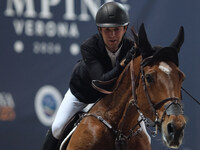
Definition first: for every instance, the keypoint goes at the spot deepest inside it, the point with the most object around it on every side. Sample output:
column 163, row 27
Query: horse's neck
column 129, row 119
column 115, row 103
column 118, row 100
column 112, row 107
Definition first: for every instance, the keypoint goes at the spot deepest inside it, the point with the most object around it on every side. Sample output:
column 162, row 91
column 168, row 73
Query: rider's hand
column 128, row 57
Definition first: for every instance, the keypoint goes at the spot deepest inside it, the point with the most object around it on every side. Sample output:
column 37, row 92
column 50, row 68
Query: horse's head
column 159, row 87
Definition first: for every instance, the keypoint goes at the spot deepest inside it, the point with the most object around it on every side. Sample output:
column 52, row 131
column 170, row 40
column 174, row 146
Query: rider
column 102, row 56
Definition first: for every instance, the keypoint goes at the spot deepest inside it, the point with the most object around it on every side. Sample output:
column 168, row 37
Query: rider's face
column 112, row 36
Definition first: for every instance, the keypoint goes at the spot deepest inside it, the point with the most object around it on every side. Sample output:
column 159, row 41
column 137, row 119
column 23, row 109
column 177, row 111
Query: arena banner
column 40, row 43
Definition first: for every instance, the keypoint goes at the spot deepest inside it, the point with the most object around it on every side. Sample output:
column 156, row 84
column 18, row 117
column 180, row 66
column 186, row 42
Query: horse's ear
column 144, row 45
column 177, row 43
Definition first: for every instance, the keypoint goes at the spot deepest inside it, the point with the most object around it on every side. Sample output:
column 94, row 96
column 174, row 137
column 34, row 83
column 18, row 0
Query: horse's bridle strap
column 169, row 108
column 174, row 108
column 159, row 104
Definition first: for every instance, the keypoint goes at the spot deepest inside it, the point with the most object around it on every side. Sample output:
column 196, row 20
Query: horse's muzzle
column 173, row 132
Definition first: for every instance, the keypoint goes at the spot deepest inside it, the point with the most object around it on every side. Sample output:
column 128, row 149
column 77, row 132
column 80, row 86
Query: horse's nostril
column 170, row 128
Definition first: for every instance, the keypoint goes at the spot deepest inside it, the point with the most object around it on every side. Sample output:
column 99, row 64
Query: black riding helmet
column 112, row 14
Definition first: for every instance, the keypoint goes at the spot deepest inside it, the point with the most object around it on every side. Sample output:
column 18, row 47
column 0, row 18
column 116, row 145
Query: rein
column 190, row 95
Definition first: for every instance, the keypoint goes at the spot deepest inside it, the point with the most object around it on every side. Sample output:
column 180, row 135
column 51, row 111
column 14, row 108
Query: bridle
column 172, row 108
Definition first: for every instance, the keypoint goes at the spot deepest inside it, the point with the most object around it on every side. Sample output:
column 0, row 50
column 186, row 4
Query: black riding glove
column 129, row 56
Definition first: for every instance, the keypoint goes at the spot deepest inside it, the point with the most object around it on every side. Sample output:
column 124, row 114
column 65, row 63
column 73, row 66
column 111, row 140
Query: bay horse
column 149, row 87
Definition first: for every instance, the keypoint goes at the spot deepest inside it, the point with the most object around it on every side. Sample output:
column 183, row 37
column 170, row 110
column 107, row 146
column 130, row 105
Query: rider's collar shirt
column 113, row 56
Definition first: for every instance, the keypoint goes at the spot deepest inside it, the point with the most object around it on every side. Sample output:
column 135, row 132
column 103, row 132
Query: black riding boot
column 50, row 142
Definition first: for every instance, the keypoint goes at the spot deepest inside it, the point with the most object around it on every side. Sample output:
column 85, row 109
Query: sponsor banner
column 47, row 101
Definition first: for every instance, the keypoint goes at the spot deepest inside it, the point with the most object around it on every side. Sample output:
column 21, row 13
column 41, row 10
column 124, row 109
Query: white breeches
column 68, row 108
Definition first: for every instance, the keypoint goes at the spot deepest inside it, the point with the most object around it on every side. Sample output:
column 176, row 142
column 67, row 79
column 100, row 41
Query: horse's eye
column 149, row 78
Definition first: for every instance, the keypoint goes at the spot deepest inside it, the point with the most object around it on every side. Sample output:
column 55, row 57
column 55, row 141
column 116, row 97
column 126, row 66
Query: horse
column 149, row 88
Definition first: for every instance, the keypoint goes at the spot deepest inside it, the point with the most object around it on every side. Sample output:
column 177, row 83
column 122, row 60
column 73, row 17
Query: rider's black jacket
column 95, row 65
